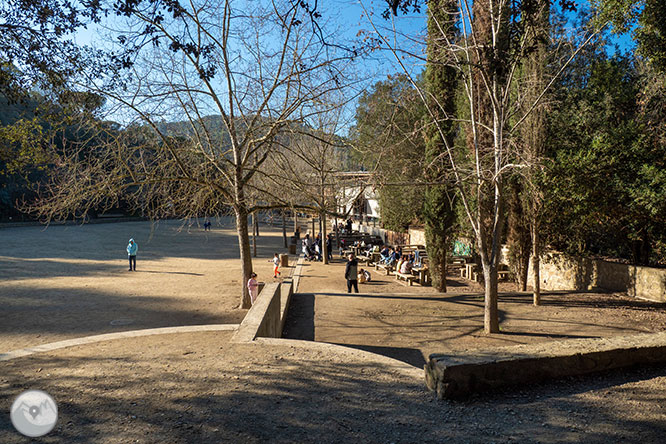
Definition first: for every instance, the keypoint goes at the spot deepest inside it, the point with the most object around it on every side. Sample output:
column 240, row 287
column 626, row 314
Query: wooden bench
column 387, row 268
column 366, row 259
column 408, row 278
column 501, row 275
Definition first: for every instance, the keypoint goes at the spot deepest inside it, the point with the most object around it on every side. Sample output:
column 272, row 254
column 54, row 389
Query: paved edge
column 298, row 272
column 111, row 336
column 455, row 376
column 389, row 363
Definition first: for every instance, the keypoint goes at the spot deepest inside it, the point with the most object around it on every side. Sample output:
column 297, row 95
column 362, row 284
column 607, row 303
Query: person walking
column 329, row 245
column 253, row 287
column 276, row 263
column 132, row 249
column 351, row 273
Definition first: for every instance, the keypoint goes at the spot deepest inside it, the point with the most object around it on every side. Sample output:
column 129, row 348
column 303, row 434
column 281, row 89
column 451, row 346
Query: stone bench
column 408, row 278
column 458, row 375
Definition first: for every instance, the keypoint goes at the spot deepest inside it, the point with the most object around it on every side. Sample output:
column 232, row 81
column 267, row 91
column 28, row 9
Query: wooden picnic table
column 468, row 271
column 423, row 274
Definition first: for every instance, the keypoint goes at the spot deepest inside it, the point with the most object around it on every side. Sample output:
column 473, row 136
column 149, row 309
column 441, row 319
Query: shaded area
column 410, row 356
column 42, row 317
column 198, row 388
column 69, row 281
column 300, row 318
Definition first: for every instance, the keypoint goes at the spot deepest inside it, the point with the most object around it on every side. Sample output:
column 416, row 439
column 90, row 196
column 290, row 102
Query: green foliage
column 441, row 83
column 389, row 142
column 606, row 184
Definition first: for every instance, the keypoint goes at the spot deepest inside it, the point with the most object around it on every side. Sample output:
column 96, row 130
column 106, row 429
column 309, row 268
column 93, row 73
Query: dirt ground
column 199, row 388
column 410, row 323
column 69, row 281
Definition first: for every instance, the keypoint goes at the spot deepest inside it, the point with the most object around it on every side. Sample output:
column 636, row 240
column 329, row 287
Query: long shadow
column 570, row 299
column 300, row 323
column 315, row 400
column 169, row 272
column 38, row 313
column 463, row 298
column 411, row 356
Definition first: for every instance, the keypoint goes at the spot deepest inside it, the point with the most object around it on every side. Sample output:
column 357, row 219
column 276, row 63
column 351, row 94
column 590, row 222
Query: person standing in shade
column 351, row 273
column 132, row 249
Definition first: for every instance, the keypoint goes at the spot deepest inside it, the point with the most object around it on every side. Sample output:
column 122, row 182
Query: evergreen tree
column 441, row 83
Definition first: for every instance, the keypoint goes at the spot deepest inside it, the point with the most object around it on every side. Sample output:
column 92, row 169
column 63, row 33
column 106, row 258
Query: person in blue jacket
column 132, row 249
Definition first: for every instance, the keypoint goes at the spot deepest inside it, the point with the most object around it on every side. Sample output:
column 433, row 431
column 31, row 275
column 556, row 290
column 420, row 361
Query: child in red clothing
column 276, row 263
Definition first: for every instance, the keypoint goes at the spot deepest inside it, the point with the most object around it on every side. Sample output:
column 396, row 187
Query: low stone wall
column 563, row 272
column 459, row 375
column 263, row 318
column 417, row 236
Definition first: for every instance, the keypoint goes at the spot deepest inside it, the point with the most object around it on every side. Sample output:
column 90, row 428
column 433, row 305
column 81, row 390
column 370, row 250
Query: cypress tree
column 441, row 82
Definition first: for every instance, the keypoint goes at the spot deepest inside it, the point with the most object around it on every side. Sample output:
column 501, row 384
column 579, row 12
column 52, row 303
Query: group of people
column 312, row 248
column 345, row 227
column 403, row 262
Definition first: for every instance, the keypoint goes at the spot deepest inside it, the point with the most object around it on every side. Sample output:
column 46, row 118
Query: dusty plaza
column 196, row 386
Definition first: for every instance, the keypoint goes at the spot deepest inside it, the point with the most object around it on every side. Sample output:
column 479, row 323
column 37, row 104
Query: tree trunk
column 324, row 248
column 284, row 229
column 491, row 312
column 254, row 236
column 295, row 220
column 255, row 222
column 436, row 248
column 246, row 259
column 313, row 228
column 536, row 265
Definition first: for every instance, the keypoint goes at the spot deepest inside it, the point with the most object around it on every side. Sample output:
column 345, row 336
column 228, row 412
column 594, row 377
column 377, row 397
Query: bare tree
column 207, row 91
column 485, row 41
column 304, row 174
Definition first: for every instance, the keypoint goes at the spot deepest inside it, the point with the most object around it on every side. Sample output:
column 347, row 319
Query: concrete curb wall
column 267, row 316
column 111, row 336
column 263, row 318
column 459, row 375
column 289, row 287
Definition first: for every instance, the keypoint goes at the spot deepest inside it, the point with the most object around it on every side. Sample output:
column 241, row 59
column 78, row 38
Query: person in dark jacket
column 351, row 273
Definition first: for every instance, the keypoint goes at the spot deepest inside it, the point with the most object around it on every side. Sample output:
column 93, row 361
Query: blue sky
column 351, row 22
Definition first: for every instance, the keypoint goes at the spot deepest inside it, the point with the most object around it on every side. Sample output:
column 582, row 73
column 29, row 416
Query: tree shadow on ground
column 311, row 400
column 39, row 314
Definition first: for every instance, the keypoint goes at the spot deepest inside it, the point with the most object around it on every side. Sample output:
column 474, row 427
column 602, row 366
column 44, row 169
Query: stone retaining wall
column 461, row 374
column 263, row 318
column 563, row 272
column 417, row 236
